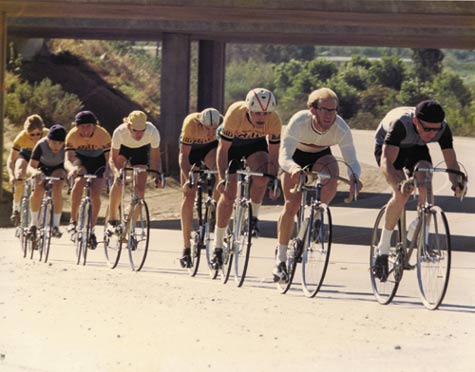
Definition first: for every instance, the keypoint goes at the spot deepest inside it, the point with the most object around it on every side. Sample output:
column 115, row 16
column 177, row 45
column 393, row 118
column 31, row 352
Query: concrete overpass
column 389, row 23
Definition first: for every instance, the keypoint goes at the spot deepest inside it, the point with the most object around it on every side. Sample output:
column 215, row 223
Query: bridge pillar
column 174, row 97
column 211, row 70
column 3, row 65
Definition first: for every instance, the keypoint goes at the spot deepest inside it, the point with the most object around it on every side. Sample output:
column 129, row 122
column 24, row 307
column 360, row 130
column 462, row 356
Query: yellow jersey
column 195, row 133
column 23, row 141
column 91, row 147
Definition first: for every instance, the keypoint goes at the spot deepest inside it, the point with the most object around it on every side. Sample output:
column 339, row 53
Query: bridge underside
column 388, row 23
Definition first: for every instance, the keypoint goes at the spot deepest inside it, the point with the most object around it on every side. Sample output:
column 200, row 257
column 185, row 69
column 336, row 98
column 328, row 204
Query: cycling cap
column 57, row 133
column 85, row 117
column 137, row 120
column 210, row 117
column 260, row 100
column 430, row 111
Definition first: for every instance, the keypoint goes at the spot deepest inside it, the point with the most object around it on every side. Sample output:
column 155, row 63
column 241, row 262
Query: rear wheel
column 433, row 258
column 112, row 244
column 316, row 253
column 385, row 289
column 46, row 228
column 242, row 248
column 139, row 235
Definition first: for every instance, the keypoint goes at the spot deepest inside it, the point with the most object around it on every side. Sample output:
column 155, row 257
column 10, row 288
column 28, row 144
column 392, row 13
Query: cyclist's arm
column 115, row 163
column 69, row 162
column 388, row 157
column 287, row 150
column 12, row 157
column 222, row 157
column 155, row 159
column 348, row 152
column 183, row 159
column 274, row 158
column 33, row 167
column 450, row 158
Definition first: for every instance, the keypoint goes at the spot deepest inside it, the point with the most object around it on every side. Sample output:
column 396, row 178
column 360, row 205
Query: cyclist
column 33, row 130
column 251, row 129
column 48, row 158
column 136, row 141
column 198, row 144
column 401, row 142
column 87, row 152
column 306, row 143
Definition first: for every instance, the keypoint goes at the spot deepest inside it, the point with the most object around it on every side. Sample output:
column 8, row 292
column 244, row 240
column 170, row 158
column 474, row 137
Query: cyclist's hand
column 355, row 181
column 295, row 174
column 73, row 173
column 406, row 187
column 459, row 190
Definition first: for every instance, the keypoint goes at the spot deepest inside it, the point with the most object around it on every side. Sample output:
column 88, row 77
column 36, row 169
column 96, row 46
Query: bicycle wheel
column 433, row 258
column 139, row 235
column 228, row 255
column 385, row 290
column 84, row 229
column 112, row 244
column 208, row 239
column 242, row 246
column 317, row 248
column 24, row 223
column 294, row 253
column 46, row 227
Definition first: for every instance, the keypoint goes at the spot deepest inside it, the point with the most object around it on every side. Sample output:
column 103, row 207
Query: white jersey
column 301, row 134
column 122, row 136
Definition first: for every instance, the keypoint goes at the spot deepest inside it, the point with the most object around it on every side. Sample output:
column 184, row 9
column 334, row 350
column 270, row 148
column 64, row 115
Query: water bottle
column 412, row 228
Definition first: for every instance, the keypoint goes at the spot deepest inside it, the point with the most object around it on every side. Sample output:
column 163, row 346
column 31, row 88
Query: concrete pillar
column 3, row 65
column 211, row 70
column 174, row 97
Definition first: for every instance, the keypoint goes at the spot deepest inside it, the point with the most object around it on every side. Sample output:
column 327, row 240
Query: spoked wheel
column 139, row 235
column 433, row 258
column 84, row 229
column 316, row 253
column 242, row 247
column 46, row 229
column 24, row 223
column 385, row 289
column 228, row 255
column 112, row 244
column 293, row 256
column 195, row 252
column 208, row 239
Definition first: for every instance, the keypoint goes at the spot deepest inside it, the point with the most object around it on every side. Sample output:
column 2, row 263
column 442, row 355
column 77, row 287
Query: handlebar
column 202, row 169
column 462, row 184
column 141, row 170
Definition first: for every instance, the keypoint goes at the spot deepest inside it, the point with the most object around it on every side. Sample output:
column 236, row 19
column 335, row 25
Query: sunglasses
column 35, row 134
column 330, row 111
column 137, row 130
column 427, row 129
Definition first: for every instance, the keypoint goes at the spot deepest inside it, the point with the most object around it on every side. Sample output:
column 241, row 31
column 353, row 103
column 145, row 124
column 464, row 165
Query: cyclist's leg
column 327, row 164
column 210, row 162
column 19, row 173
column 187, row 213
column 35, row 202
column 58, row 197
column 258, row 162
column 76, row 195
column 96, row 188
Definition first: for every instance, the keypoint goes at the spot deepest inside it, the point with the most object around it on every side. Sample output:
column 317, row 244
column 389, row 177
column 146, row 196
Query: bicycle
column 237, row 244
column 431, row 240
column 22, row 230
column 202, row 237
column 312, row 245
column 45, row 217
column 82, row 234
column 134, row 227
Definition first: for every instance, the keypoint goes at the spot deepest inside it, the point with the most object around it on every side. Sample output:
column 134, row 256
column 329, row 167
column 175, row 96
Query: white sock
column 255, row 209
column 385, row 241
column 219, row 237
column 281, row 253
column 33, row 218
column 16, row 206
column 57, row 219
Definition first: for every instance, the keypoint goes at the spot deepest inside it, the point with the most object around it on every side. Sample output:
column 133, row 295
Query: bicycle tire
column 208, row 239
column 433, row 258
column 84, row 228
column 228, row 253
column 317, row 249
column 24, row 223
column 242, row 247
column 294, row 251
column 197, row 236
column 139, row 235
column 384, row 291
column 46, row 229
column 112, row 244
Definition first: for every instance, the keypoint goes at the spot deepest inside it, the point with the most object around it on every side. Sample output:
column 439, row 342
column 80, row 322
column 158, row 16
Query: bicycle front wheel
column 84, row 229
column 228, row 256
column 385, row 289
column 317, row 247
column 433, row 258
column 294, row 254
column 46, row 227
column 112, row 244
column 24, row 223
column 242, row 246
column 208, row 239
column 139, row 235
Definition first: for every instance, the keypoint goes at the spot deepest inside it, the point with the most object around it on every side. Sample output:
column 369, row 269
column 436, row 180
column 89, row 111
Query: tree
column 427, row 63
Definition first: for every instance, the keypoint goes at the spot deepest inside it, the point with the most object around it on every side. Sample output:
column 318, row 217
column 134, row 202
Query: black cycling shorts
column 198, row 153
column 137, row 155
column 48, row 170
column 407, row 158
column 95, row 166
column 245, row 149
column 304, row 159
